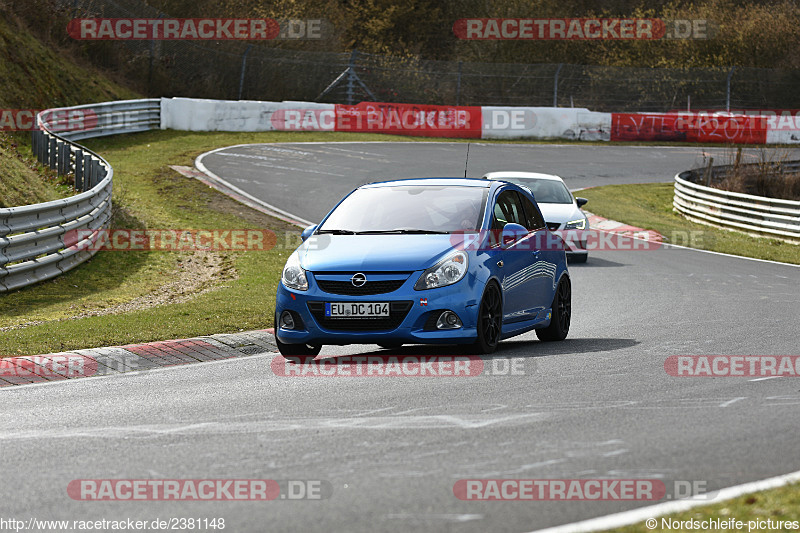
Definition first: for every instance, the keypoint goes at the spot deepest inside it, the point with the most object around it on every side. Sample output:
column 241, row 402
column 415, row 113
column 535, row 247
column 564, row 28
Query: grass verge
column 781, row 504
column 649, row 206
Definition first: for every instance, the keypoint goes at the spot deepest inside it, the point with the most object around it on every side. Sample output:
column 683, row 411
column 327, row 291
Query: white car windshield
column 545, row 191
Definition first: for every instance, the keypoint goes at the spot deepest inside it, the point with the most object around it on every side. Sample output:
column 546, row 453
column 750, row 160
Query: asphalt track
column 306, row 178
column 598, row 405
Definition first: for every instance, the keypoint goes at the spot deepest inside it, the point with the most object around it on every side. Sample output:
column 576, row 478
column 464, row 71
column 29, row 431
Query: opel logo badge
column 358, row 280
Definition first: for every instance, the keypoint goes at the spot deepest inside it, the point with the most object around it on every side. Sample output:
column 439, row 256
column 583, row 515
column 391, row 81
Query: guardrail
column 36, row 241
column 758, row 215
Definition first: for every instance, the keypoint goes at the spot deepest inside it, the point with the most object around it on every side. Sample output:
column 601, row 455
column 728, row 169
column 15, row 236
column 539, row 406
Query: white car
column 560, row 209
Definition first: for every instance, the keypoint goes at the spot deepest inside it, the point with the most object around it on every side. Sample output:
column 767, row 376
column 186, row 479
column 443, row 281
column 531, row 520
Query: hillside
column 21, row 183
column 34, row 76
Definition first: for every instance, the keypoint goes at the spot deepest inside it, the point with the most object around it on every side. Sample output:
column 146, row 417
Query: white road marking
column 615, row 452
column 202, row 168
column 365, row 413
column 447, row 517
column 634, row 516
column 466, row 421
column 731, row 402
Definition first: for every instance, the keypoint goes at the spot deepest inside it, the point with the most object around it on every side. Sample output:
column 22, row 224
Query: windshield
column 409, row 209
column 545, row 191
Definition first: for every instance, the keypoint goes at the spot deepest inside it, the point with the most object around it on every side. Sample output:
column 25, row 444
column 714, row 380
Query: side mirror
column 581, row 201
column 512, row 233
column 308, row 231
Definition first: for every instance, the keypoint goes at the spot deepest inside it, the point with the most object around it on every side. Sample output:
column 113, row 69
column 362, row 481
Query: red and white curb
column 612, row 226
column 132, row 357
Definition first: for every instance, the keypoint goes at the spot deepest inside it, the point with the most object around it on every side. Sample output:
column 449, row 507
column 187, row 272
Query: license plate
column 356, row 310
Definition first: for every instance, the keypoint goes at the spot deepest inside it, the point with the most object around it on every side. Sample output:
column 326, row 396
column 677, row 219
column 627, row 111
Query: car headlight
column 294, row 276
column 445, row 272
column 576, row 224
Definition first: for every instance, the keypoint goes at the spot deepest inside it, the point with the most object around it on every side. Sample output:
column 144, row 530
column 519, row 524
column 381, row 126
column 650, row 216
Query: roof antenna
column 467, row 161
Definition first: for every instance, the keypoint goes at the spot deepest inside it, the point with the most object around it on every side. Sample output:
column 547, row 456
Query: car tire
column 490, row 320
column 306, row 350
column 562, row 313
column 578, row 258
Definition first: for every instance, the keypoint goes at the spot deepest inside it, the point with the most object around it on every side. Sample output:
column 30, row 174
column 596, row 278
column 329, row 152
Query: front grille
column 553, row 225
column 397, row 313
column 370, row 287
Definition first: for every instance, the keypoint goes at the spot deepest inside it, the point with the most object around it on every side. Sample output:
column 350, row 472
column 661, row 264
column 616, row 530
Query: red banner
column 688, row 127
column 408, row 119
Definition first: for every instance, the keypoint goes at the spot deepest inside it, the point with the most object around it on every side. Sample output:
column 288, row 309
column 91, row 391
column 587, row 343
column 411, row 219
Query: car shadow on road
column 567, row 346
column 514, row 348
column 511, row 358
column 595, row 262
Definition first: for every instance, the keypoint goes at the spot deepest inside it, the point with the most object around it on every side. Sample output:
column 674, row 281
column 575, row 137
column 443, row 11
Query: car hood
column 560, row 212
column 353, row 253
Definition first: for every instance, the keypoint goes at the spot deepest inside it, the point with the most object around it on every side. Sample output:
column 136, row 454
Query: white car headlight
column 294, row 276
column 444, row 273
column 576, row 224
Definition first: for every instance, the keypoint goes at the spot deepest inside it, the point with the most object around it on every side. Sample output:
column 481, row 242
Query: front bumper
column 575, row 240
column 410, row 321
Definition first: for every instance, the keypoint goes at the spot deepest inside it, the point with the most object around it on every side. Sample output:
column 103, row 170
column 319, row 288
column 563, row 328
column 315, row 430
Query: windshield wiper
column 337, row 231
column 404, row 231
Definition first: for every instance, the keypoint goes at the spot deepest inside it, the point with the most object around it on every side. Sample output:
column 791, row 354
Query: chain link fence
column 270, row 71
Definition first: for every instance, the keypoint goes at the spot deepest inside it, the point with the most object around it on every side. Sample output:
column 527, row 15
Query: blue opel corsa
column 425, row 261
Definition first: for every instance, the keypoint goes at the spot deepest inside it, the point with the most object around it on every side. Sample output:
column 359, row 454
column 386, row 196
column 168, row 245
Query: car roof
column 529, row 175
column 460, row 182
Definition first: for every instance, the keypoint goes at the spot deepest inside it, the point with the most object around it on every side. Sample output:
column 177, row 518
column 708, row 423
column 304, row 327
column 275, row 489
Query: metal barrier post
column 87, row 172
column 79, row 170
column 42, row 152
column 61, row 159
column 52, row 153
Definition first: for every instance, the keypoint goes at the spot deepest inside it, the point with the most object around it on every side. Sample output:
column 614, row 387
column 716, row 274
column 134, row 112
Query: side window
column 534, row 217
column 508, row 208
